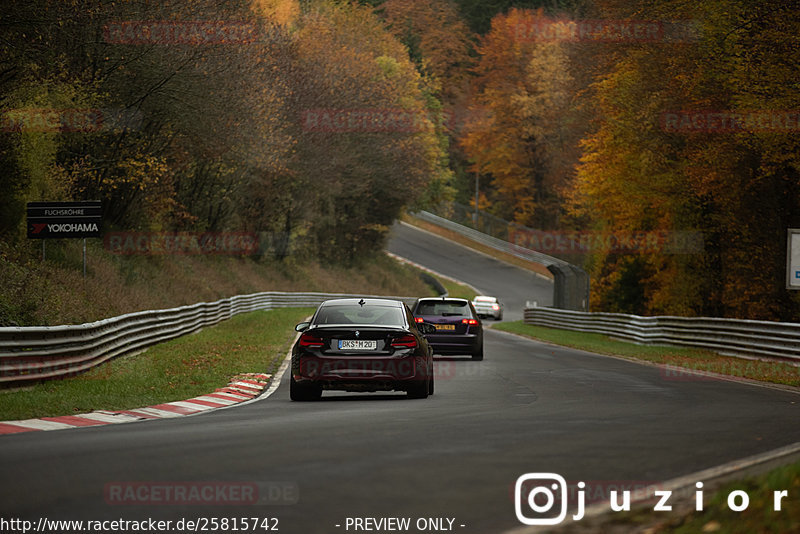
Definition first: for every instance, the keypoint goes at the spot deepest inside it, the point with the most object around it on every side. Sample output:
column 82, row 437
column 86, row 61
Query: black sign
column 57, row 220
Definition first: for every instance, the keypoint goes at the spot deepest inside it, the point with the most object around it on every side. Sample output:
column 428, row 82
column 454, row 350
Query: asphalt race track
column 528, row 407
column 514, row 286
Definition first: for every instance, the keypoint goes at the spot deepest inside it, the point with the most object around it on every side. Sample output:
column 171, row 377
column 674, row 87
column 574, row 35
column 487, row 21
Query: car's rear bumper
column 359, row 373
column 455, row 344
column 487, row 311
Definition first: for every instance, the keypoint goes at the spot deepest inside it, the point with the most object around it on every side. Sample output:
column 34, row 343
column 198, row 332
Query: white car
column 488, row 307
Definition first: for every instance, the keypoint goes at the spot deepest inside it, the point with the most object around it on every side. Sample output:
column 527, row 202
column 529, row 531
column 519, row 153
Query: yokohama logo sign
column 68, row 227
column 58, row 220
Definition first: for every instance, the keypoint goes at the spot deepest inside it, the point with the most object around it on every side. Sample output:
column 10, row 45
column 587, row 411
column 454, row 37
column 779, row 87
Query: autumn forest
column 319, row 122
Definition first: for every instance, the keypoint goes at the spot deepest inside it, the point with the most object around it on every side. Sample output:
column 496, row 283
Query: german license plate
column 358, row 344
column 445, row 327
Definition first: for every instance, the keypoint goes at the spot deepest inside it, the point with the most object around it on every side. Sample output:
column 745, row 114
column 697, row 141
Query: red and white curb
column 241, row 388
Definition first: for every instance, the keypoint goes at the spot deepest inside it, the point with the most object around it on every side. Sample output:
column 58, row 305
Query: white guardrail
column 571, row 283
column 734, row 337
column 44, row 352
column 491, row 241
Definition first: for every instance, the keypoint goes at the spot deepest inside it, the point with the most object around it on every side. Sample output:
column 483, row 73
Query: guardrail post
column 580, row 289
column 559, row 285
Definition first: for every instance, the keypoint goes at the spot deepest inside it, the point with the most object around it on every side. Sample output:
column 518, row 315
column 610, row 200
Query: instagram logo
column 542, row 499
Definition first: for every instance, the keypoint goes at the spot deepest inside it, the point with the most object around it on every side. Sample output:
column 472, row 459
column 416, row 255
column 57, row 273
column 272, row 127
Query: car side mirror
column 302, row 327
column 426, row 329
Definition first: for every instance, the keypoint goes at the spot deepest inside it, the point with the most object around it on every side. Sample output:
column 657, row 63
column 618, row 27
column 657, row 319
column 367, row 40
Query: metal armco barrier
column 570, row 282
column 45, row 352
column 734, row 337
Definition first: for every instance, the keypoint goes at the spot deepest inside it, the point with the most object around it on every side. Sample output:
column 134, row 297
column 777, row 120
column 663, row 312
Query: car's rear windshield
column 362, row 315
column 443, row 307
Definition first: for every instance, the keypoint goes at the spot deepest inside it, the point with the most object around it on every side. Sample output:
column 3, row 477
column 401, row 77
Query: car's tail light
column 311, row 342
column 404, row 342
column 419, row 319
column 495, row 307
column 469, row 321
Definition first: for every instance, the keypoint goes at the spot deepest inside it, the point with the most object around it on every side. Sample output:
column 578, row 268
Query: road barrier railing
column 570, row 282
column 47, row 352
column 734, row 337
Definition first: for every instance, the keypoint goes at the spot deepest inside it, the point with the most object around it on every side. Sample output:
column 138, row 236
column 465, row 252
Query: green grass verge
column 456, row 290
column 716, row 516
column 54, row 292
column 179, row 369
column 695, row 359
column 759, row 515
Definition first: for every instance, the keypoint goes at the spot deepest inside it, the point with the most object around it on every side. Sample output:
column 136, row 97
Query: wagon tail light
column 419, row 319
column 311, row 342
column 495, row 307
column 469, row 321
column 404, row 342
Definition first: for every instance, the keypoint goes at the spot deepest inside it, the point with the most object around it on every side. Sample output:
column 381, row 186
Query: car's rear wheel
column 304, row 392
column 430, row 386
column 478, row 355
column 419, row 389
